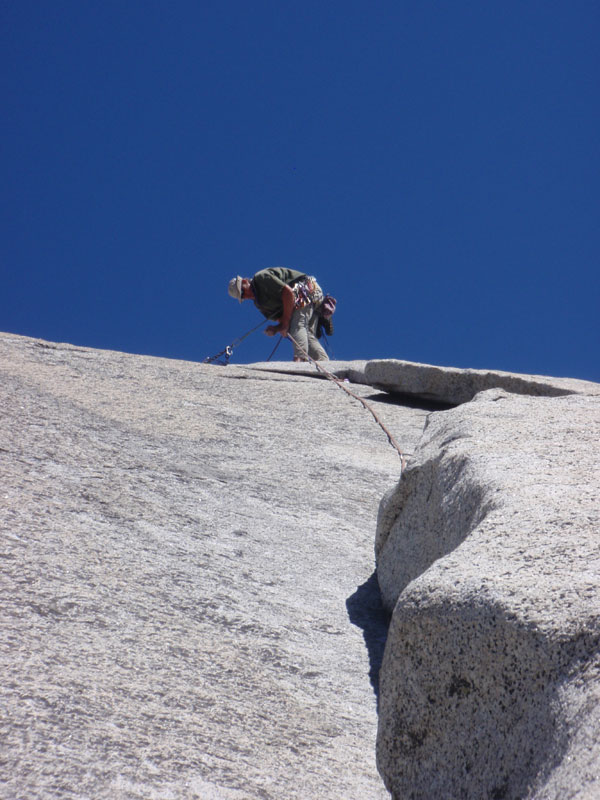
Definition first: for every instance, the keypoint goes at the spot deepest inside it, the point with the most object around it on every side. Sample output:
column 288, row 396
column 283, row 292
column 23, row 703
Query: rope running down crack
column 361, row 400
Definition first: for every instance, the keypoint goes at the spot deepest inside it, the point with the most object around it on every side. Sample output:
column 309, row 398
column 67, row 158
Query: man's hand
column 287, row 300
column 273, row 329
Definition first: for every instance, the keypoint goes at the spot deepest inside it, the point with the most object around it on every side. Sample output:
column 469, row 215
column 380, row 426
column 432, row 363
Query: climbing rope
column 361, row 400
column 275, row 348
column 223, row 357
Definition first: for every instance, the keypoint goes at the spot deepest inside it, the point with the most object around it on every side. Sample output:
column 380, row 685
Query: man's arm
column 287, row 300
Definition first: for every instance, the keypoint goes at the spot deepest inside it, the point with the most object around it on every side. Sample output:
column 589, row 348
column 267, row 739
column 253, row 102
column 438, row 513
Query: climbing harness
column 361, row 400
column 222, row 358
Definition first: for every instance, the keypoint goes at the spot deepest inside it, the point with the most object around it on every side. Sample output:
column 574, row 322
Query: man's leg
column 315, row 349
column 299, row 332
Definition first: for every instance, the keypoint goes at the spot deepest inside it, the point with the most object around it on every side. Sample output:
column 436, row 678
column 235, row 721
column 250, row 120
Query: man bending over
column 291, row 298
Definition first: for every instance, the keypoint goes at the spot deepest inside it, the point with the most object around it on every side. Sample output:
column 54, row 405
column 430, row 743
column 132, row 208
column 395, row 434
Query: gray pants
column 303, row 327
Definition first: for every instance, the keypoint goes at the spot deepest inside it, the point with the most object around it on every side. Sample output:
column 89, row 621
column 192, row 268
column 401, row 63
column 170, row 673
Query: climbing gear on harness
column 222, row 358
column 307, row 291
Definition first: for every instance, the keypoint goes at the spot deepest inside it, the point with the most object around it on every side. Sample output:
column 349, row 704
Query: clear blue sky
column 434, row 164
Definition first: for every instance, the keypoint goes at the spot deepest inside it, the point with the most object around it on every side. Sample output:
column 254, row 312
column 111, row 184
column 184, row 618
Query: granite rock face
column 189, row 608
column 189, row 603
column 488, row 552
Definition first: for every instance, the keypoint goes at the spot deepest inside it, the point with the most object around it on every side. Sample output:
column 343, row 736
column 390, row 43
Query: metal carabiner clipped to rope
column 222, row 358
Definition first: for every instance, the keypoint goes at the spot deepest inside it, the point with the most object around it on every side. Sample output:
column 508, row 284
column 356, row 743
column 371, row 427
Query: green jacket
column 268, row 285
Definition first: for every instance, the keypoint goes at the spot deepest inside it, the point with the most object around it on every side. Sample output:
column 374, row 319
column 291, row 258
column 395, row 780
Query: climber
column 290, row 297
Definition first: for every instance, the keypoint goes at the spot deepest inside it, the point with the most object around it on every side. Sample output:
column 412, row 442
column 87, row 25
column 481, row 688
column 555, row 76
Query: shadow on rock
column 366, row 611
column 410, row 401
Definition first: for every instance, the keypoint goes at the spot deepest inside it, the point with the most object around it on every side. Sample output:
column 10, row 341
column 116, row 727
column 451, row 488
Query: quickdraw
column 222, row 358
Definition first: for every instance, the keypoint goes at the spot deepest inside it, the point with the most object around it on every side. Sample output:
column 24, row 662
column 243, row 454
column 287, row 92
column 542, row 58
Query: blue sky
column 434, row 164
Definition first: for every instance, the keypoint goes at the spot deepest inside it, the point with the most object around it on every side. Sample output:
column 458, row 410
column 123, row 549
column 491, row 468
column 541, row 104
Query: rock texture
column 189, row 603
column 488, row 550
column 449, row 386
column 189, row 607
column 454, row 386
